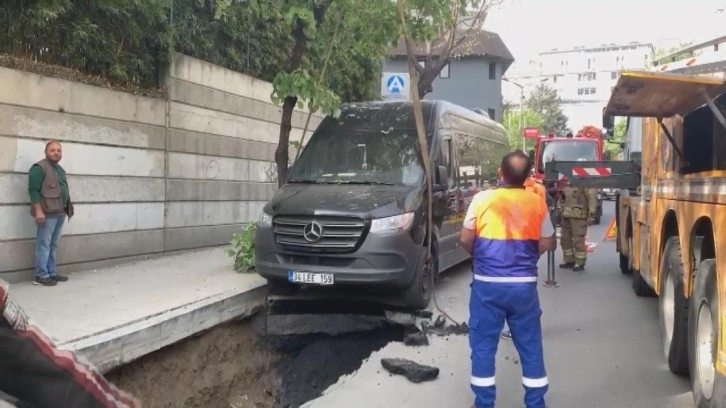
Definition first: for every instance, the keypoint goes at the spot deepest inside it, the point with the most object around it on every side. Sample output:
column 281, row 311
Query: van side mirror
column 441, row 179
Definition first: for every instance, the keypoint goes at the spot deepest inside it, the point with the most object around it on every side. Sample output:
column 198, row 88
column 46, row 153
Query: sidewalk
column 115, row 315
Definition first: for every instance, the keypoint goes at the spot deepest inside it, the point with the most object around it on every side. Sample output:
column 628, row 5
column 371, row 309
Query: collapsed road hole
column 239, row 365
column 305, row 372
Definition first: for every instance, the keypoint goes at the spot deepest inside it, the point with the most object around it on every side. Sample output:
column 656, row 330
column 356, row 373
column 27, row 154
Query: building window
column 589, row 63
column 445, row 71
column 492, row 70
column 592, row 91
column 715, row 47
column 554, row 79
column 614, row 75
column 491, row 113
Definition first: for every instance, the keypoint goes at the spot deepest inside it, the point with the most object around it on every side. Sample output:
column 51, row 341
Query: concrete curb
column 123, row 344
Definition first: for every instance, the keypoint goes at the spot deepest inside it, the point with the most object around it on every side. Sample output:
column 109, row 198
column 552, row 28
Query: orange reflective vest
column 507, row 225
column 536, row 187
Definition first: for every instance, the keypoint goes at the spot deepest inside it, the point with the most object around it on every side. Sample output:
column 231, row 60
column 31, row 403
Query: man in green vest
column 50, row 204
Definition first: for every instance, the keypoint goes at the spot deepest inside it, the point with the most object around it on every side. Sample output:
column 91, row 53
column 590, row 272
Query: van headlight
column 265, row 219
column 389, row 225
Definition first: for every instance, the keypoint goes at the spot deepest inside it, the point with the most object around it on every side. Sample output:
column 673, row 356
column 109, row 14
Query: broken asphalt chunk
column 413, row 371
column 416, row 339
column 440, row 321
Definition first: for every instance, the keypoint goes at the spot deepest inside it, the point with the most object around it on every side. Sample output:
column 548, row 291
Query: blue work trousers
column 46, row 245
column 490, row 305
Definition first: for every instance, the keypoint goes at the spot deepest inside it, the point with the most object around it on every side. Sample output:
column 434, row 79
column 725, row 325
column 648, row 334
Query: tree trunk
column 425, row 82
column 282, row 153
column 282, row 156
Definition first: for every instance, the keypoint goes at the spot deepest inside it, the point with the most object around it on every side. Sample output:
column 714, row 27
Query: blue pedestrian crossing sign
column 395, row 86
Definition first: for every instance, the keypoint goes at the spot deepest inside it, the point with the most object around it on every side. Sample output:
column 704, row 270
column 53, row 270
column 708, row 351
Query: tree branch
column 328, row 53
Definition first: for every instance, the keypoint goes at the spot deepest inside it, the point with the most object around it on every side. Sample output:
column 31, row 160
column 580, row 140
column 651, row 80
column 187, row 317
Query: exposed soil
column 235, row 366
column 229, row 366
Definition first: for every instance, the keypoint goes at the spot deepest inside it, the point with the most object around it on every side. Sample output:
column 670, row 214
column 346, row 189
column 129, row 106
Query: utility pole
column 521, row 108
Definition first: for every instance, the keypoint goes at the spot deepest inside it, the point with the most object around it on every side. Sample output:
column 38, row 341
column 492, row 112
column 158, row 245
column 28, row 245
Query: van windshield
column 360, row 157
column 567, row 150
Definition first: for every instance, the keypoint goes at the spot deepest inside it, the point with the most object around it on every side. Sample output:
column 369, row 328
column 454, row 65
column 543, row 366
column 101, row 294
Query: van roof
column 385, row 115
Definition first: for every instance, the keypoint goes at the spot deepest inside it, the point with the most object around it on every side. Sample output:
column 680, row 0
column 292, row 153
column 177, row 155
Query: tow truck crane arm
column 594, row 174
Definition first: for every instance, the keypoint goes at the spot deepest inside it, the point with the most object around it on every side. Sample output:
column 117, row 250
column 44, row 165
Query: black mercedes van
column 352, row 212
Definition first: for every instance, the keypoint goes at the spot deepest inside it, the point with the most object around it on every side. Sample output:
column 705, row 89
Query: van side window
column 469, row 162
column 446, row 159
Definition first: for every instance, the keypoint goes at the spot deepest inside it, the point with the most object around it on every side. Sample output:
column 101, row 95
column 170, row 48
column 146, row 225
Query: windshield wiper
column 306, row 181
column 377, row 183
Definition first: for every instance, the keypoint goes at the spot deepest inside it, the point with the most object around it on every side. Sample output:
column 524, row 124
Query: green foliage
column 242, row 249
column 612, row 146
column 131, row 41
column 364, row 32
column 511, row 122
column 123, row 40
column 545, row 103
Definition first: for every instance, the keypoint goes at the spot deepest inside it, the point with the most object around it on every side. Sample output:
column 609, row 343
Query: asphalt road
column 602, row 348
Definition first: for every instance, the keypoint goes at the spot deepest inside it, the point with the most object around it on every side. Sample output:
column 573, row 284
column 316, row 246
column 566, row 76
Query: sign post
column 396, row 86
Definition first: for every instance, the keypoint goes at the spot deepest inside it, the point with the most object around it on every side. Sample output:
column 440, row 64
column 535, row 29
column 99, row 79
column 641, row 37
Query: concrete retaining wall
column 148, row 176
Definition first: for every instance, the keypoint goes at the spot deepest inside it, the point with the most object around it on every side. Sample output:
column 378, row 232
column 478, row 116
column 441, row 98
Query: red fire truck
column 586, row 145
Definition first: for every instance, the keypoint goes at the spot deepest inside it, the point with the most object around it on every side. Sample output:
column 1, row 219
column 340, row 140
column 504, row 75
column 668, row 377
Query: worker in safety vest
column 506, row 230
column 536, row 187
column 578, row 212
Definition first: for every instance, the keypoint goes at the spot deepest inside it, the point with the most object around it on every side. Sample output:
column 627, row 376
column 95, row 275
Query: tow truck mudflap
column 596, row 174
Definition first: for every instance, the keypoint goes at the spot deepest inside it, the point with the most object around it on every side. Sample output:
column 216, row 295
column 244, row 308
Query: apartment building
column 583, row 77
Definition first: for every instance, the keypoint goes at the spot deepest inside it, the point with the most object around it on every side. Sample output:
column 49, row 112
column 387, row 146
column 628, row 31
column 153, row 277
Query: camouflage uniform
column 578, row 211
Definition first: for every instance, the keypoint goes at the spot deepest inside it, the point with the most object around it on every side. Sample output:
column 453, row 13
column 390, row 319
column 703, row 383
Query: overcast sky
column 531, row 26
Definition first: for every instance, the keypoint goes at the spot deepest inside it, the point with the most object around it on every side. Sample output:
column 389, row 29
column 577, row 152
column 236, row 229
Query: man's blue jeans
column 46, row 245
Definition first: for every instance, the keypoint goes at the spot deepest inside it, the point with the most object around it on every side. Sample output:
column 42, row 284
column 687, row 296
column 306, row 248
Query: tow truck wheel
column 709, row 388
column 673, row 309
column 598, row 215
column 418, row 295
column 626, row 267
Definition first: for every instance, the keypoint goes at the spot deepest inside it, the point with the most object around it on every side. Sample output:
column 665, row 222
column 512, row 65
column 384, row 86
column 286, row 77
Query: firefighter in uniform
column 506, row 229
column 578, row 206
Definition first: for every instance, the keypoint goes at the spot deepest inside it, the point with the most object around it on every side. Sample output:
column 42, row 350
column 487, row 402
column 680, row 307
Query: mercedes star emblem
column 313, row 232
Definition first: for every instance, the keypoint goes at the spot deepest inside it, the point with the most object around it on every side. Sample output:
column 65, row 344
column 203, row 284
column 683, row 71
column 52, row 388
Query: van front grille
column 318, row 234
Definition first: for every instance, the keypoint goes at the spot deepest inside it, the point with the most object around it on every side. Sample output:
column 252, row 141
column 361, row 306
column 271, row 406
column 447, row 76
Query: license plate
column 310, row 278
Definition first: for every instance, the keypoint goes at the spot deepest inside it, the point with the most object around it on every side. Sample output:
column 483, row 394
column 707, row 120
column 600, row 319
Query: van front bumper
column 387, row 261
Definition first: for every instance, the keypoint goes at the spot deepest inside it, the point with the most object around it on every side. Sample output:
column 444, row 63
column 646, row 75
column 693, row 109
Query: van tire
column 673, row 309
column 418, row 295
column 708, row 392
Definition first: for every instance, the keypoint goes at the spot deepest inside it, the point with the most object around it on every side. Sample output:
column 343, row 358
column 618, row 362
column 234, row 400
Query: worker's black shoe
column 567, row 265
column 578, row 268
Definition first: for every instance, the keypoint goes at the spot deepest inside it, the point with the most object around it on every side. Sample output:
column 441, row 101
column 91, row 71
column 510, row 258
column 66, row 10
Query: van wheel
column 418, row 295
column 673, row 309
column 709, row 387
